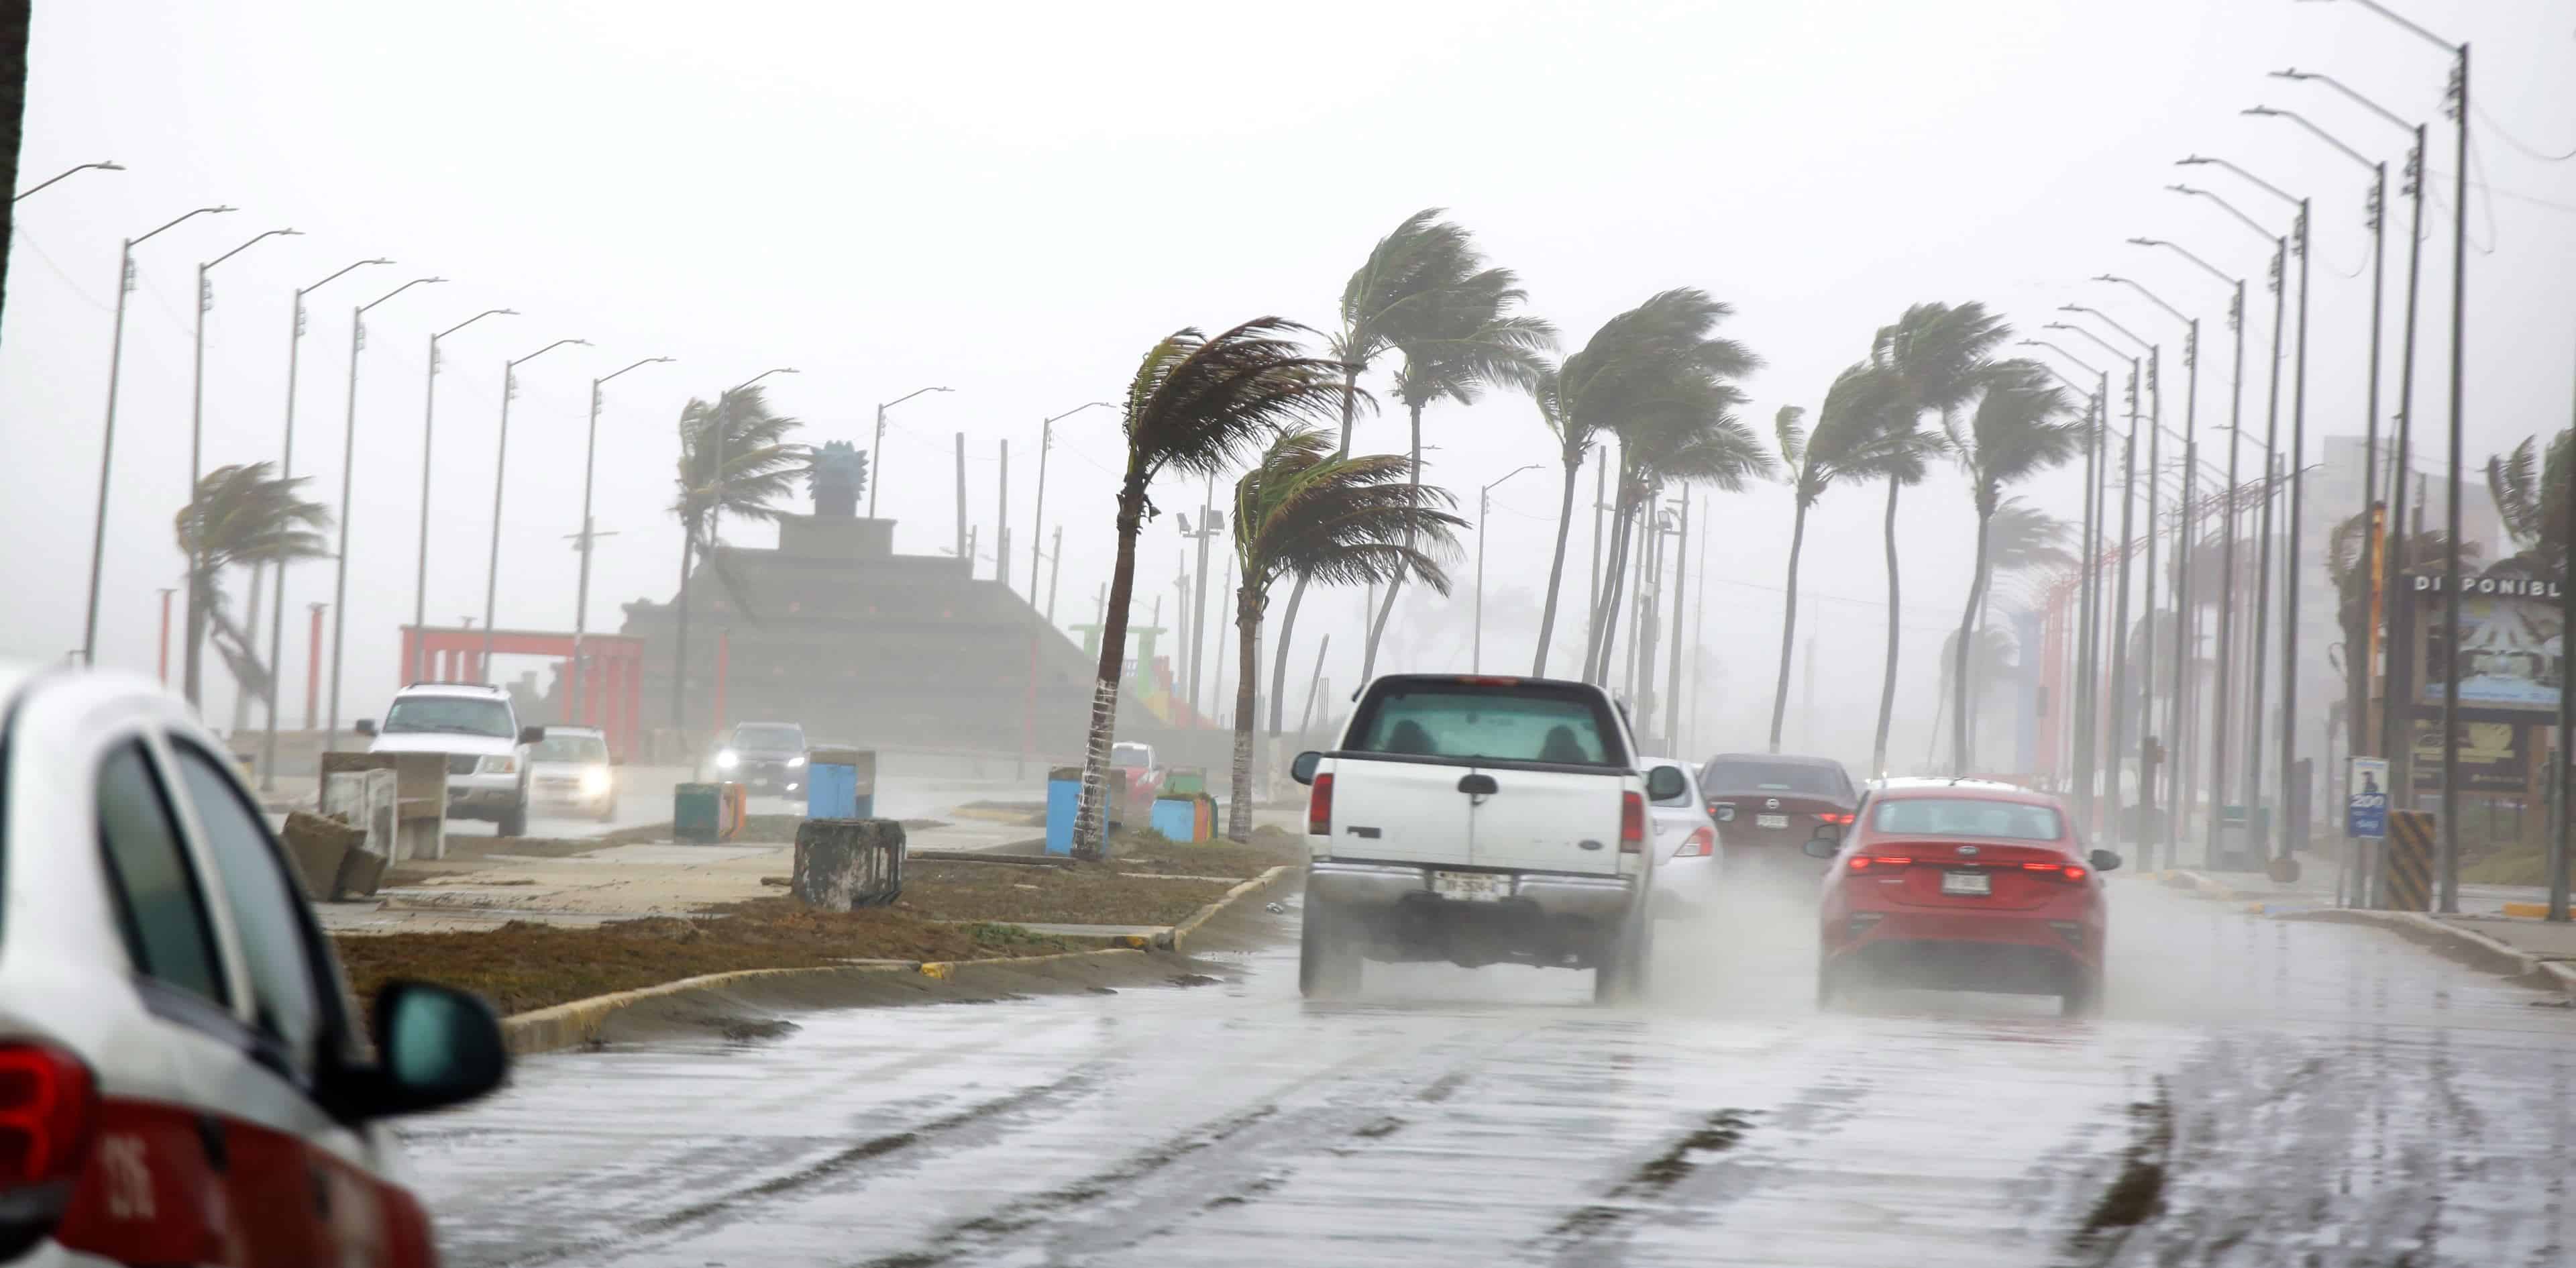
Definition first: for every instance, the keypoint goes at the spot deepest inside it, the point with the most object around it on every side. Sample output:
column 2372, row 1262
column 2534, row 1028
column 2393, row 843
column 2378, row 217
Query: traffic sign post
column 2365, row 828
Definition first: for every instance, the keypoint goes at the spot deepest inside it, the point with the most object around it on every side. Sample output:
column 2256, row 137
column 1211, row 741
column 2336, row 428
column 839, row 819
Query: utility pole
column 2450, row 884
column 1055, row 569
column 585, row 538
column 313, row 666
column 192, row 658
column 500, row 467
column 2120, row 609
column 2292, row 579
column 1209, row 519
column 166, row 592
column 1484, row 509
column 962, row 556
column 1673, row 676
column 876, row 456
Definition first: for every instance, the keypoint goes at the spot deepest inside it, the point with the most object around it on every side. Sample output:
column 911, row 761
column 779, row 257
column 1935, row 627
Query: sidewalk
column 480, row 887
column 2521, row 945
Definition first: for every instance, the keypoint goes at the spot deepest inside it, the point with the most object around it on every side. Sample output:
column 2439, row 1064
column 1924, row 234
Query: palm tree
column 1456, row 342
column 2531, row 498
column 1307, row 513
column 2019, row 428
column 1935, row 352
column 1195, row 406
column 1851, row 441
column 1402, row 278
column 734, row 458
column 241, row 515
column 1689, row 436
column 1627, row 366
column 2025, row 545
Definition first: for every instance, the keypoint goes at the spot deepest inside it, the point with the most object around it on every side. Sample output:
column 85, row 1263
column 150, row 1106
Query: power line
column 2519, row 144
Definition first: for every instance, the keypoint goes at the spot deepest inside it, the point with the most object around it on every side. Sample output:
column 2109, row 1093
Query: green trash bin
column 697, row 812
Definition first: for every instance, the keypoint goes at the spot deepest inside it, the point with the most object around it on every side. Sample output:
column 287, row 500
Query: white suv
column 183, row 1078
column 486, row 748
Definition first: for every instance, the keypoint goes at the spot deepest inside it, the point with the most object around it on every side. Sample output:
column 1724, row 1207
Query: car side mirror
column 1303, row 769
column 1722, row 811
column 1665, row 783
column 367, row 727
column 1819, row 847
column 532, row 735
column 2105, row 861
column 1829, row 833
column 436, row 1046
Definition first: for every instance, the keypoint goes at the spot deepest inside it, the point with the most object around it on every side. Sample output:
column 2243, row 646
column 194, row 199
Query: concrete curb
column 582, row 1022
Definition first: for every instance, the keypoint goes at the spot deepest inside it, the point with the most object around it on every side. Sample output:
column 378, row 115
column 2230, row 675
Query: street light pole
column 876, row 457
column 110, row 165
column 1037, row 523
column 286, row 469
column 2293, row 581
column 348, row 466
column 2220, row 697
column 2395, row 735
column 1484, row 508
column 2183, row 754
column 192, row 659
column 2147, row 765
column 420, row 568
column 500, row 467
column 107, row 438
column 581, row 593
column 2082, row 753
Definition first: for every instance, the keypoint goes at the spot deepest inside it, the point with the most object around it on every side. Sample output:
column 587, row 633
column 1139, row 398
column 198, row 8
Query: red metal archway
column 612, row 689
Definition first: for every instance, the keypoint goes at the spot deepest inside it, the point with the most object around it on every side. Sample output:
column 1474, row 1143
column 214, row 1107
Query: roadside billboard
column 2512, row 650
column 2492, row 759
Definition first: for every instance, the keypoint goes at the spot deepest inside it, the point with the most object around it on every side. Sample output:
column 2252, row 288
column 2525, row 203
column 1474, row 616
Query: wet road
column 2257, row 1092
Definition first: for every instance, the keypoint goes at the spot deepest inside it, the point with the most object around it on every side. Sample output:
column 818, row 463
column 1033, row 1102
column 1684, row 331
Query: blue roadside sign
column 2366, row 807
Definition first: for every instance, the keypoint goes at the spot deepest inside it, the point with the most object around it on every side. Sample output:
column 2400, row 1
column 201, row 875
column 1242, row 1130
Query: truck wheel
column 1621, row 978
column 1327, row 967
column 514, row 821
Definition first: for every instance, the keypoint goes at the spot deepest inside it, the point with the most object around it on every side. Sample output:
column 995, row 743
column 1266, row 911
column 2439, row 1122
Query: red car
column 1768, row 804
column 1962, row 885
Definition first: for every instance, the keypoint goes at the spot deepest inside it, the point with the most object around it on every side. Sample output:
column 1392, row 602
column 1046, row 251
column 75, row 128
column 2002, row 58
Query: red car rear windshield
column 1803, row 779
column 1966, row 817
column 1503, row 722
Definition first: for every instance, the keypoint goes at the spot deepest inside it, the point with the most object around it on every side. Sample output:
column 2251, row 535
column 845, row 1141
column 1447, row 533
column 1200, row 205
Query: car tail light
column 1319, row 808
column 1701, row 844
column 1632, row 824
column 2058, row 871
column 48, row 1105
column 1845, row 818
column 1863, row 862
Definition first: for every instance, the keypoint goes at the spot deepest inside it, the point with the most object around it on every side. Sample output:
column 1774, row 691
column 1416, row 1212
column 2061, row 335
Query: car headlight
column 500, row 765
column 594, row 781
column 727, row 759
column 796, row 761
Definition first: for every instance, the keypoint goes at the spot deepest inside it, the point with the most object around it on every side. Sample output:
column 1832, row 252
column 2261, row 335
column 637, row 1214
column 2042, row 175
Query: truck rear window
column 1516, row 722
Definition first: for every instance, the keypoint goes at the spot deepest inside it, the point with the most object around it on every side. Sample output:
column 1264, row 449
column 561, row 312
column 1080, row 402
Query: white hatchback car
column 1688, row 867
column 182, row 1078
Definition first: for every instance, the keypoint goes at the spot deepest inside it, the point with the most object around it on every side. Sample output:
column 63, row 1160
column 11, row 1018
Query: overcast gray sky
column 1016, row 199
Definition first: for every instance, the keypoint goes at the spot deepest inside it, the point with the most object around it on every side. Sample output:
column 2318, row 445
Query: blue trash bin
column 1177, row 818
column 1064, row 798
column 832, row 783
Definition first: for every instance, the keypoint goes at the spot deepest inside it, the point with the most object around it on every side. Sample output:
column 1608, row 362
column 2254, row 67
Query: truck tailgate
column 1400, row 811
column 1550, row 820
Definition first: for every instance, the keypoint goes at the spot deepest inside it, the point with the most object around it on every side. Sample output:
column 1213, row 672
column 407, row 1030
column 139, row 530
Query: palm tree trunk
column 192, row 676
column 1788, row 624
column 1247, row 623
column 242, row 691
column 1377, row 628
column 1887, row 683
column 1605, row 617
column 1279, row 662
column 1960, row 754
column 1556, row 568
column 1090, row 820
column 1297, row 592
column 680, row 649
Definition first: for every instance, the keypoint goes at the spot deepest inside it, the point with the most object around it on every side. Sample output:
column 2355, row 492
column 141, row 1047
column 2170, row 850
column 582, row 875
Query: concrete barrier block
column 845, row 864
column 317, row 845
column 362, row 871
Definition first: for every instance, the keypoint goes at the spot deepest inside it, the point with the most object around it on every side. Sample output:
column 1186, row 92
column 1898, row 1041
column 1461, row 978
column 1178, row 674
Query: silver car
column 1689, row 868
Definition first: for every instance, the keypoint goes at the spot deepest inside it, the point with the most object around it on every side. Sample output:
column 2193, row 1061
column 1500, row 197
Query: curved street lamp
column 876, row 456
column 500, row 468
column 109, row 165
column 107, row 434
column 348, row 467
column 428, row 429
column 1485, row 508
column 581, row 594
column 193, row 661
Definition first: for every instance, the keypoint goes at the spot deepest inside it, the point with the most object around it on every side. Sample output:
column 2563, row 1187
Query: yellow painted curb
column 938, row 968
column 2534, row 911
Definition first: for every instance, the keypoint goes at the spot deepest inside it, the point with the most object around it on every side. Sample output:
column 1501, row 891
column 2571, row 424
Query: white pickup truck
column 1479, row 820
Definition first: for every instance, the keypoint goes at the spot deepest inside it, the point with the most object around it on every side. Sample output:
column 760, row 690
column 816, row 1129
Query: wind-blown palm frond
column 2513, row 480
column 2025, row 539
column 2019, row 425
column 242, row 515
column 1787, row 429
column 1936, row 352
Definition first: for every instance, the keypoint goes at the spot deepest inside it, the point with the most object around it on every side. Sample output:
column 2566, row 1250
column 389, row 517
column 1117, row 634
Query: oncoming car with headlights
column 486, row 748
column 764, row 757
column 568, row 770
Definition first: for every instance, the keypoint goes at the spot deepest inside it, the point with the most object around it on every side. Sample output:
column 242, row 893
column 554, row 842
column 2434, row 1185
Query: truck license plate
column 1967, row 883
column 1473, row 887
column 1770, row 821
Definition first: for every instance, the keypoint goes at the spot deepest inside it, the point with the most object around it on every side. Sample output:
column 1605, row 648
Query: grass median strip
column 525, row 965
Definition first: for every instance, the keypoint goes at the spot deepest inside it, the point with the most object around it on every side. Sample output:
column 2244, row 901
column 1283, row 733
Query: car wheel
column 2082, row 997
column 1327, row 966
column 608, row 811
column 514, row 821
